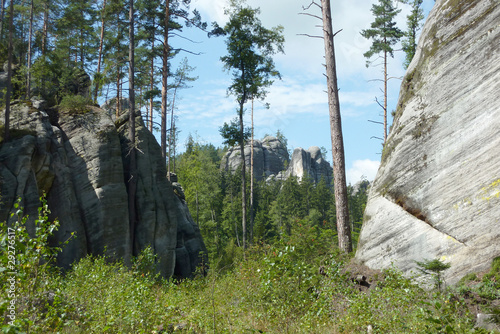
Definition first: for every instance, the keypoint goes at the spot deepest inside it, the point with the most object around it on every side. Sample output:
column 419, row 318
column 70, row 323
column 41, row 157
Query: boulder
column 81, row 163
column 437, row 191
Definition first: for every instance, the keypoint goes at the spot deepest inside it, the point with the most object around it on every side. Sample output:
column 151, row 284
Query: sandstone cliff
column 271, row 159
column 437, row 192
column 80, row 162
column 308, row 163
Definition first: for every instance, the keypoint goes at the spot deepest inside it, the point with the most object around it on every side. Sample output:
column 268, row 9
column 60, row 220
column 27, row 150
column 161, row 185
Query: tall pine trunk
column 45, row 36
column 243, row 181
column 118, row 89
column 385, row 96
column 251, row 179
column 2, row 12
column 99, row 57
column 164, row 87
column 340, row 186
column 132, row 188
column 152, row 83
column 9, row 73
column 30, row 37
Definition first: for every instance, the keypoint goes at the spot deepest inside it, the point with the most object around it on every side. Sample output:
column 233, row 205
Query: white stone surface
column 437, row 192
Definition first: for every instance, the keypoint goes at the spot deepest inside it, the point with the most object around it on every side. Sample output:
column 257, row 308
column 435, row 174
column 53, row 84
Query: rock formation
column 80, row 162
column 270, row 157
column 271, row 160
column 437, row 192
column 308, row 163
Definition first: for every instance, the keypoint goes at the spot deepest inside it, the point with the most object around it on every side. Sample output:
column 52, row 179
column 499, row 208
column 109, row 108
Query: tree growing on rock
column 385, row 35
column 414, row 24
column 250, row 48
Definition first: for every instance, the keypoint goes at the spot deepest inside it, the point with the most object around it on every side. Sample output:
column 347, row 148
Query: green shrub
column 75, row 104
column 433, row 268
column 494, row 271
column 27, row 261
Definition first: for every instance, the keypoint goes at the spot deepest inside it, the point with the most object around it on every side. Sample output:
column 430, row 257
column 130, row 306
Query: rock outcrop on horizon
column 437, row 192
column 270, row 157
column 271, row 160
column 80, row 162
column 308, row 163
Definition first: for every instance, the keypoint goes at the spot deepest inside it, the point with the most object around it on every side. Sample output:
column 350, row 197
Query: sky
column 298, row 102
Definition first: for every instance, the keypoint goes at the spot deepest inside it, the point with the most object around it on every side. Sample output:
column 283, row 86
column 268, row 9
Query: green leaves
column 250, row 48
column 434, row 268
column 383, row 32
column 231, row 133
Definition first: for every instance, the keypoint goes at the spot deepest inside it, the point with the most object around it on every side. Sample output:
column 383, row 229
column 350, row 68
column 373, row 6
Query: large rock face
column 270, row 157
column 437, row 192
column 80, row 162
column 308, row 163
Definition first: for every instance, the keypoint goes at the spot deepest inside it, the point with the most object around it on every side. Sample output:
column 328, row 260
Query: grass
column 295, row 286
column 273, row 291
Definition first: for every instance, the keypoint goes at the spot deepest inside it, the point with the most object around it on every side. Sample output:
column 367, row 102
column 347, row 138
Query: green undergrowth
column 296, row 286
column 75, row 104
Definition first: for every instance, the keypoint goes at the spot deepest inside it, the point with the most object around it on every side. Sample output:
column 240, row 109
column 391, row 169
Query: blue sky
column 298, row 103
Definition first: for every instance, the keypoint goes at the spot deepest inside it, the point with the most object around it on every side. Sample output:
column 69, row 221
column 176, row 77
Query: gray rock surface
column 271, row 160
column 437, row 192
column 80, row 162
column 487, row 321
column 270, row 157
column 308, row 163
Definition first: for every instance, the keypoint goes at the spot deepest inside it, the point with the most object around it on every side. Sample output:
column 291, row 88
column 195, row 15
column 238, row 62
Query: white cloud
column 362, row 169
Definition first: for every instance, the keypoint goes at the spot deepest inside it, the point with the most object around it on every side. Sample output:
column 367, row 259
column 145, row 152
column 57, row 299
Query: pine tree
column 250, row 48
column 340, row 186
column 6, row 135
column 385, row 35
column 132, row 186
column 414, row 24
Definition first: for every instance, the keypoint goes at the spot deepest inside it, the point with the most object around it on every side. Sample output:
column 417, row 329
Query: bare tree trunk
column 251, row 179
column 343, row 227
column 2, row 12
column 385, row 96
column 9, row 73
column 45, row 27
column 173, row 134
column 117, row 92
column 82, row 55
column 152, row 85
column 30, row 37
column 243, row 182
column 235, row 221
column 164, row 84
column 171, row 128
column 132, row 188
column 99, row 58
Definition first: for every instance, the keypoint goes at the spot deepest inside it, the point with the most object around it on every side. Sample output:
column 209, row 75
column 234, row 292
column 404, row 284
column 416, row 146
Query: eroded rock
column 437, row 192
column 81, row 162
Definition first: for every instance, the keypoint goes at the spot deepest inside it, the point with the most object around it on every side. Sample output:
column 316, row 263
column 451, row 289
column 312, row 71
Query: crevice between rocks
column 407, row 206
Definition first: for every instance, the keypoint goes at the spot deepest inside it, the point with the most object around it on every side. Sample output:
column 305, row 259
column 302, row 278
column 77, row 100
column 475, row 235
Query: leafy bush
column 75, row 104
column 274, row 289
column 494, row 271
column 27, row 259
